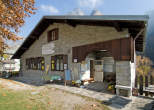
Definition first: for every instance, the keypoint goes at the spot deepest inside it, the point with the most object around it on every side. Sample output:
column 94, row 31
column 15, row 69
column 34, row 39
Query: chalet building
column 90, row 47
column 6, row 63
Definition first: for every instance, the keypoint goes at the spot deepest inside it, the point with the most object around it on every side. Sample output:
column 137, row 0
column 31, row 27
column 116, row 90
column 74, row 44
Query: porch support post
column 125, row 78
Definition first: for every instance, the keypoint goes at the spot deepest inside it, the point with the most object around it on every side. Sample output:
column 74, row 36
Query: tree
column 143, row 65
column 152, row 73
column 12, row 17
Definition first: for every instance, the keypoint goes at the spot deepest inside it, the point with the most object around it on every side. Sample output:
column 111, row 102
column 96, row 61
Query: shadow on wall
column 149, row 50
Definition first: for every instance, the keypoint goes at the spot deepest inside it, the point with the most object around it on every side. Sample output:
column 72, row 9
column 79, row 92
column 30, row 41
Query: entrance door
column 92, row 70
column 98, row 73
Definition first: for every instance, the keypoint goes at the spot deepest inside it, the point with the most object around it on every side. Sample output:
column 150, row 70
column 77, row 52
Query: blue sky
column 107, row 7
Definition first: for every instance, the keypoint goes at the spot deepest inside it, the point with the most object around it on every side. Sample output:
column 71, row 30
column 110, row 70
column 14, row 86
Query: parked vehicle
column 8, row 68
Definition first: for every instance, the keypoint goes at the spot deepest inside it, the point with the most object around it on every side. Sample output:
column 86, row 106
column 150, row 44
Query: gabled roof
column 134, row 23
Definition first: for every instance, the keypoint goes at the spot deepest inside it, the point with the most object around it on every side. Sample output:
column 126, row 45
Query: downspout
column 141, row 31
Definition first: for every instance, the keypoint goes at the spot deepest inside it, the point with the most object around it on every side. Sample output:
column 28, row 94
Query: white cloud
column 49, row 8
column 90, row 3
column 76, row 11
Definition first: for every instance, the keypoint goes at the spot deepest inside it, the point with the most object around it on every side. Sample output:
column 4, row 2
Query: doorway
column 98, row 70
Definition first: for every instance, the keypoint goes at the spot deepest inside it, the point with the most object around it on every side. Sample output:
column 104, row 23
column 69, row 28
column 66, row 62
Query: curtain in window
column 61, row 63
column 58, row 62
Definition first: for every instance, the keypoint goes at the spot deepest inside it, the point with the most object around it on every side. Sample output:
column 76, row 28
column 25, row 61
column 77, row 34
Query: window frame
column 60, row 58
column 53, row 35
column 35, row 63
column 53, row 63
column 62, row 61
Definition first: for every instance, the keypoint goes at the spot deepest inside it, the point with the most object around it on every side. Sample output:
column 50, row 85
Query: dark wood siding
column 120, row 49
column 132, row 49
column 125, row 49
column 115, row 48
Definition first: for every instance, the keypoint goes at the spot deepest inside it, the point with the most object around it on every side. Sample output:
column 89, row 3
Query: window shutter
column 26, row 63
column 35, row 63
column 65, row 58
column 49, row 36
column 53, row 62
column 32, row 62
column 52, row 35
column 29, row 65
column 42, row 64
column 56, row 34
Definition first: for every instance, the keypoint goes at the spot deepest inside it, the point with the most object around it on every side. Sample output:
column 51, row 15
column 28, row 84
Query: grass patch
column 19, row 100
column 77, row 107
column 42, row 99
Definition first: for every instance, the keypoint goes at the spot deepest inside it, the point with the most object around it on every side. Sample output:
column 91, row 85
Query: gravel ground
column 112, row 101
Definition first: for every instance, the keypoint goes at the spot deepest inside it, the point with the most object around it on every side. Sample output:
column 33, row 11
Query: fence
column 144, row 85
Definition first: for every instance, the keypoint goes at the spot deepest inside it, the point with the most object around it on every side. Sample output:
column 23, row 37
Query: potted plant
column 111, row 87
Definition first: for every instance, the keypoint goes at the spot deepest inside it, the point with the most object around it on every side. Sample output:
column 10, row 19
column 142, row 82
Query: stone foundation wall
column 123, row 73
column 125, row 77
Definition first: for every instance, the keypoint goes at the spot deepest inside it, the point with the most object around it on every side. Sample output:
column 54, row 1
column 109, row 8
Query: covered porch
column 105, row 63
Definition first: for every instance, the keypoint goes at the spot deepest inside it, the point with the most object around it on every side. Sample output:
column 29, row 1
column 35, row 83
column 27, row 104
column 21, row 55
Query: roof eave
column 91, row 18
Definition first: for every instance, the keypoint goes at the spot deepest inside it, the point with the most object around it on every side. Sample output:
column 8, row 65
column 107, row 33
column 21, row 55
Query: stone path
column 114, row 102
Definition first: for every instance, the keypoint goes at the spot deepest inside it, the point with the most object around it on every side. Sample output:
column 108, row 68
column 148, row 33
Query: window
column 53, row 63
column 35, row 63
column 53, row 35
column 58, row 63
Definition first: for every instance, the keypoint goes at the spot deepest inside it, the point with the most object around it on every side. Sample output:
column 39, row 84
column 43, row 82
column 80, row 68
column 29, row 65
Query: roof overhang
column 134, row 24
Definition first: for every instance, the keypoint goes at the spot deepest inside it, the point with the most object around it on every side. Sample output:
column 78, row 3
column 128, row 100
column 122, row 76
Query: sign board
column 48, row 49
column 65, row 66
column 75, row 60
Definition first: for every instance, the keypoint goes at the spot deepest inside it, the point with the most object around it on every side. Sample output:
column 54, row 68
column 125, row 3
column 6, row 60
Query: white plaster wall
column 17, row 65
column 125, row 76
column 85, row 74
column 123, row 73
column 133, row 74
column 108, row 64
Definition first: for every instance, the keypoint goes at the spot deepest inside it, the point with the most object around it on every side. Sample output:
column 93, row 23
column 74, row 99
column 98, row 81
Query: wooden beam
column 24, row 48
column 141, row 31
column 33, row 37
column 117, row 26
column 71, row 23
